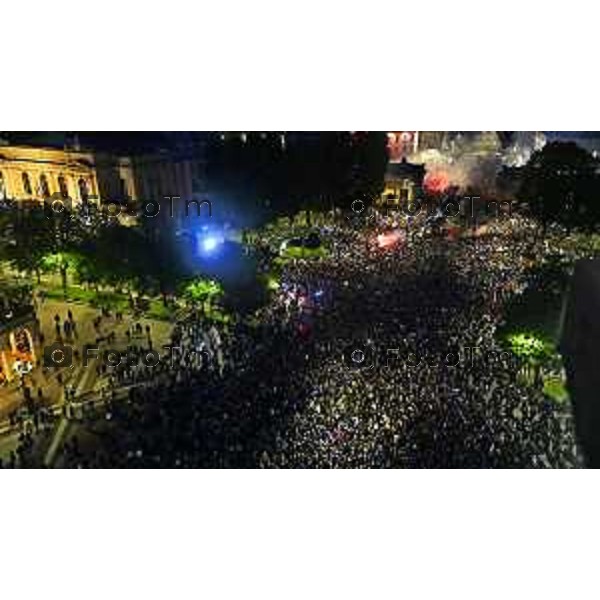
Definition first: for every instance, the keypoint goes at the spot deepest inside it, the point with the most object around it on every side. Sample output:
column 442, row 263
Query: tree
column 89, row 271
column 116, row 256
column 312, row 171
column 62, row 263
column 246, row 177
column 27, row 238
column 560, row 185
column 202, row 292
column 369, row 164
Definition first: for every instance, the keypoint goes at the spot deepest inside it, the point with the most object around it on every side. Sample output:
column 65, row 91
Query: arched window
column 26, row 184
column 83, row 190
column 44, row 187
column 62, row 186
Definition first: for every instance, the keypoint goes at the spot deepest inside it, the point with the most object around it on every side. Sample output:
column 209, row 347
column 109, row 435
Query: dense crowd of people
column 289, row 389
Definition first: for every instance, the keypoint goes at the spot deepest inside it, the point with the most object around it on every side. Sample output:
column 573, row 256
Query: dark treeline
column 561, row 185
column 269, row 174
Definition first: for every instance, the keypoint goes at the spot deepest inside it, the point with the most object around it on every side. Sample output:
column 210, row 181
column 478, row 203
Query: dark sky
column 572, row 135
column 146, row 141
column 116, row 141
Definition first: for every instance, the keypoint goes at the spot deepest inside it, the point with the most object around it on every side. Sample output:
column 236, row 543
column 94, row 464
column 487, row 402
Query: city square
column 293, row 327
column 258, row 340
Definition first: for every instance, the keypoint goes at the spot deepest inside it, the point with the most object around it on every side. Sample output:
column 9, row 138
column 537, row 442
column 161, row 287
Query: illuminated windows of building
column 62, row 186
column 44, row 187
column 83, row 189
column 26, row 184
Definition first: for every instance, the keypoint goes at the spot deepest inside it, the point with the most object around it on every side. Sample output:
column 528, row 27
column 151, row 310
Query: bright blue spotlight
column 209, row 244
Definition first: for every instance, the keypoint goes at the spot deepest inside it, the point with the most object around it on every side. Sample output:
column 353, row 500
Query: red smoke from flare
column 436, row 182
column 389, row 239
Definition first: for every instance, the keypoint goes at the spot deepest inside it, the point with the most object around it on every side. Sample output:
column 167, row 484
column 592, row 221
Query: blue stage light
column 209, row 244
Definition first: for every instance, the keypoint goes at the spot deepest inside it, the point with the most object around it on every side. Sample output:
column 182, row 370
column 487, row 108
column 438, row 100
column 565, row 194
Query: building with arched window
column 30, row 173
column 63, row 189
column 83, row 189
column 33, row 174
column 44, row 187
column 403, row 184
column 26, row 184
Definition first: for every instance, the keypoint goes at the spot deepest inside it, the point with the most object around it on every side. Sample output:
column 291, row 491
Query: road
column 83, row 379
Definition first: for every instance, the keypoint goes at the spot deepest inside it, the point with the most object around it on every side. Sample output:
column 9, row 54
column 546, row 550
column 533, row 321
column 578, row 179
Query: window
column 26, row 184
column 44, row 187
column 83, row 190
column 62, row 186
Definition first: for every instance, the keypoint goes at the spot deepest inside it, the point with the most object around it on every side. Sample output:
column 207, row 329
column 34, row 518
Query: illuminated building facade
column 405, row 144
column 403, row 183
column 32, row 174
column 19, row 334
column 28, row 173
column 178, row 174
column 403, row 179
column 402, row 144
column 17, row 350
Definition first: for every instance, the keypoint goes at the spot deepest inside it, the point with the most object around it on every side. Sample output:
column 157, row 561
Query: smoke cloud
column 471, row 161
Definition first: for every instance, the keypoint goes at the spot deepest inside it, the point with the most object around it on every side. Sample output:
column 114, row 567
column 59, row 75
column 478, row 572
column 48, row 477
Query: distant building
column 405, row 144
column 28, row 173
column 176, row 179
column 35, row 173
column 402, row 144
column 403, row 183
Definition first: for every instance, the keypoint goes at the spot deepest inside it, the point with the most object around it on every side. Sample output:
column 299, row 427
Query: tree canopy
column 260, row 175
column 560, row 185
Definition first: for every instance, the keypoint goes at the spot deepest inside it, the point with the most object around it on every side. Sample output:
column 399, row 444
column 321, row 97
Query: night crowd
column 287, row 389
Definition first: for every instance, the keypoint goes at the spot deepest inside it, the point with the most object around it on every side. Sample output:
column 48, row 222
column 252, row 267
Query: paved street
column 54, row 382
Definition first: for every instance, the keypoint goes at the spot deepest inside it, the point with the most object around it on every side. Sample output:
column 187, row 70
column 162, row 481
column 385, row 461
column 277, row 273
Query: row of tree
column 561, row 185
column 98, row 254
column 259, row 177
column 265, row 175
